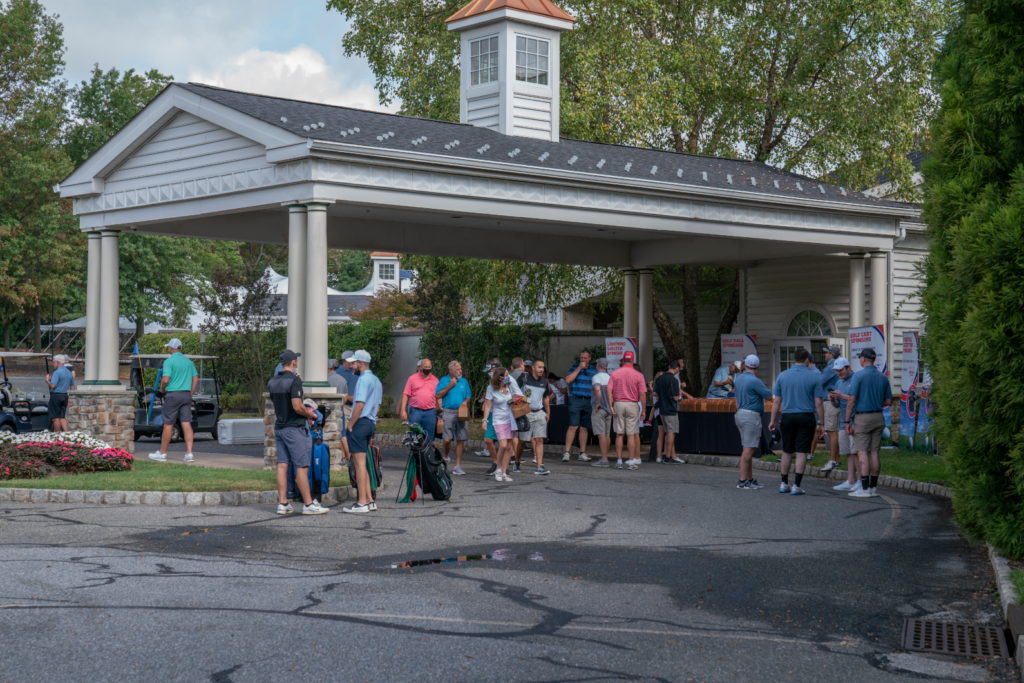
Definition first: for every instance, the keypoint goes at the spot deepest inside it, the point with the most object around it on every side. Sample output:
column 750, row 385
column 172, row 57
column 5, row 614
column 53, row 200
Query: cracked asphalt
column 665, row 574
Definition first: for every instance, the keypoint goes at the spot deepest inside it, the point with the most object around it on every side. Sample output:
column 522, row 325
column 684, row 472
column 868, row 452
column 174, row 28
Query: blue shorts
column 579, row 412
column 490, row 428
column 293, row 446
column 359, row 435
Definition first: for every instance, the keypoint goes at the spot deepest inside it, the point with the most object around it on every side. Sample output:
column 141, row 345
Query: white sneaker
column 584, row 457
column 189, row 458
column 829, row 466
column 497, row 475
column 567, row 457
column 857, row 486
column 373, row 507
column 482, row 453
column 285, row 509
column 458, row 470
column 784, row 488
column 357, row 509
column 845, row 486
column 314, row 508
column 860, row 493
column 158, row 456
column 505, row 477
column 618, row 464
column 873, row 491
column 659, row 459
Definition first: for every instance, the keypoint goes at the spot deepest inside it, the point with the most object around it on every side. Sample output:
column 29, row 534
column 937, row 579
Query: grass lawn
column 156, row 476
column 393, row 425
column 895, row 463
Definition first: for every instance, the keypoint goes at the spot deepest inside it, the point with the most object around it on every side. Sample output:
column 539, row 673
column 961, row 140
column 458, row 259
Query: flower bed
column 37, row 459
column 70, row 438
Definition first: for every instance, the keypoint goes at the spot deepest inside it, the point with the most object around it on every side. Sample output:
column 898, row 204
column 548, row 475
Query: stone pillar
column 110, row 306
column 629, row 304
column 332, row 429
column 879, row 289
column 646, row 323
column 856, row 290
column 315, row 373
column 297, row 282
column 92, row 309
column 107, row 415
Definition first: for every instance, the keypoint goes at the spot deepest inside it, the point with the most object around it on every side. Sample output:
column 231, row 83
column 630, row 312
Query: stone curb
column 162, row 498
column 1007, row 593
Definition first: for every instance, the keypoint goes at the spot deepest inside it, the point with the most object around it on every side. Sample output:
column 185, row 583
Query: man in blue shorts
column 291, row 435
column 365, row 403
column 580, row 380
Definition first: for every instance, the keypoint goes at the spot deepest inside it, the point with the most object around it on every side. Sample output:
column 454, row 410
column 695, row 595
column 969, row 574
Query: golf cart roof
column 162, row 356
column 22, row 354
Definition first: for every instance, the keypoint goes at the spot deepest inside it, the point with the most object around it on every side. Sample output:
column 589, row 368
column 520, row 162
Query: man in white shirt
column 601, row 419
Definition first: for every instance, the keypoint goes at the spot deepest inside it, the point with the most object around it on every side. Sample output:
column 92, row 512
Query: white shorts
column 845, row 442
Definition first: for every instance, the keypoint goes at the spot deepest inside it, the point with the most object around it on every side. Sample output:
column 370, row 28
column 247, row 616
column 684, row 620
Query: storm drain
column 970, row 640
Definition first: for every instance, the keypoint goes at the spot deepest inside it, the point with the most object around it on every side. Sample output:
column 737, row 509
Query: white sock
column 619, row 461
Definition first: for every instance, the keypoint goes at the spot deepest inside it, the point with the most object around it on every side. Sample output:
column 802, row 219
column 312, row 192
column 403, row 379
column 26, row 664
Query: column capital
column 294, row 208
column 645, row 271
column 628, row 270
column 857, row 254
column 93, row 234
column 110, row 231
column 878, row 251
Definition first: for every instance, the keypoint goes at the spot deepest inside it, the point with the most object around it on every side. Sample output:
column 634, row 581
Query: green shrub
column 974, row 275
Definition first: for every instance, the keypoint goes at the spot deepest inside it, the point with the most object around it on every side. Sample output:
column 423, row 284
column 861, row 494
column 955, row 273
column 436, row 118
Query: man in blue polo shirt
column 60, row 382
column 750, row 395
column 837, row 397
column 829, row 377
column 869, row 395
column 580, row 380
column 452, row 393
column 798, row 396
column 366, row 401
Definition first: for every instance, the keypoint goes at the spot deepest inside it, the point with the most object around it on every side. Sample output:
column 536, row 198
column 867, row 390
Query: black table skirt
column 699, row 433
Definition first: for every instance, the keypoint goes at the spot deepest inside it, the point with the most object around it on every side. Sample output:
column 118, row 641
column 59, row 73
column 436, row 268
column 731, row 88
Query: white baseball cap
column 174, row 343
column 361, row 355
column 752, row 361
column 840, row 363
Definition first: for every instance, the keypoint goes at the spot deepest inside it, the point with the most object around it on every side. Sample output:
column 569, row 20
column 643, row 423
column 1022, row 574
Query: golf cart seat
column 6, row 397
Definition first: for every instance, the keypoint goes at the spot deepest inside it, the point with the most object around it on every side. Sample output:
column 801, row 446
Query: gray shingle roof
column 458, row 140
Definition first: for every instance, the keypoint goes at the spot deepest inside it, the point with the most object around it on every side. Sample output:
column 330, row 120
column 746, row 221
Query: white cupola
column 510, row 73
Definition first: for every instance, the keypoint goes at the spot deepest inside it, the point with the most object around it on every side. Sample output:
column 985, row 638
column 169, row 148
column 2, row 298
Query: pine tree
column 974, row 292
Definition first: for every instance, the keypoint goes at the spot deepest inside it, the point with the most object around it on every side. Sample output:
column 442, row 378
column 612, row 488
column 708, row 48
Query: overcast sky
column 291, row 49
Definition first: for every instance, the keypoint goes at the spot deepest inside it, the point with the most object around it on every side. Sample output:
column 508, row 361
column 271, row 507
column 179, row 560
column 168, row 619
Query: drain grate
column 971, row 640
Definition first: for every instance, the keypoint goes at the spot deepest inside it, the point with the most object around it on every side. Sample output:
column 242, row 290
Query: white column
column 629, row 304
column 315, row 373
column 646, row 320
column 110, row 306
column 856, row 290
column 297, row 282
column 879, row 288
column 92, row 309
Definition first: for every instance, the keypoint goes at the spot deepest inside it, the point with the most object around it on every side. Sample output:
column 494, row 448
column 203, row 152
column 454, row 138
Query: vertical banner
column 923, row 441
column 910, row 398
column 737, row 347
column 868, row 337
column 614, row 347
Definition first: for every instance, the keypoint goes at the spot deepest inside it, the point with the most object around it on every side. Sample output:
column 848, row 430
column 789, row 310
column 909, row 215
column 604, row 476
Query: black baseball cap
column 868, row 353
column 834, row 350
column 287, row 356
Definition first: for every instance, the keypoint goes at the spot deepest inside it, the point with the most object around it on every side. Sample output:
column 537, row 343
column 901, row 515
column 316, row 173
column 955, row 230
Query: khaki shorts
column 846, row 443
column 867, row 431
column 538, row 426
column 627, row 417
column 749, row 425
column 454, row 428
column 601, row 420
column 670, row 423
column 831, row 417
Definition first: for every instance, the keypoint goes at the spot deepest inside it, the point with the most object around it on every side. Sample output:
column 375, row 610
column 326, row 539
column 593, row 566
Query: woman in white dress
column 500, row 393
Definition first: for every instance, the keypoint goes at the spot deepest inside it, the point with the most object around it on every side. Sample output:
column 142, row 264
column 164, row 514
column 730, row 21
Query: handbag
column 520, row 410
column 463, row 412
column 522, row 424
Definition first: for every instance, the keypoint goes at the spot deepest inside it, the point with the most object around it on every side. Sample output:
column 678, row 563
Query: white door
column 785, row 353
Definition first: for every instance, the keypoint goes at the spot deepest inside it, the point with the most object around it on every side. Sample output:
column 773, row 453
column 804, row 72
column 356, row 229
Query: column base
column 105, row 388
column 107, row 415
column 320, row 387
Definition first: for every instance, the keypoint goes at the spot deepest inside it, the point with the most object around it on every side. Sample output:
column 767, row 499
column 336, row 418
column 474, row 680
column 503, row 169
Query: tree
column 974, row 274
column 440, row 306
column 391, row 305
column 348, row 270
column 805, row 86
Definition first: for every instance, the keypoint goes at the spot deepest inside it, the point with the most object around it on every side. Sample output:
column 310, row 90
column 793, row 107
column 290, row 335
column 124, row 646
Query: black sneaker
column 753, row 484
column 515, row 468
column 494, row 468
column 743, row 485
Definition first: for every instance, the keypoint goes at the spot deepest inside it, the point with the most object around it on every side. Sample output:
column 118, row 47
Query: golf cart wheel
column 213, row 432
column 7, row 428
column 136, row 436
column 176, row 433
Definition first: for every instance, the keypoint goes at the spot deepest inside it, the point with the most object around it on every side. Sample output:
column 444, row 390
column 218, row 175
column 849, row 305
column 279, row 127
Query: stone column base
column 332, row 427
column 107, row 415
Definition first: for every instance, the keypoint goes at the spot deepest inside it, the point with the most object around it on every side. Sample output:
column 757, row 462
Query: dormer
column 510, row 66
column 386, row 272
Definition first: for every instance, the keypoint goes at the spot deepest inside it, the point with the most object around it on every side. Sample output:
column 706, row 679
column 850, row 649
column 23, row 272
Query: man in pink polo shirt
column 628, row 390
column 419, row 399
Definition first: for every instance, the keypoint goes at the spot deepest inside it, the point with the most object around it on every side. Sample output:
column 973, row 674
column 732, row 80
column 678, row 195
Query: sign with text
column 915, row 406
column 614, row 347
column 737, row 347
column 868, row 338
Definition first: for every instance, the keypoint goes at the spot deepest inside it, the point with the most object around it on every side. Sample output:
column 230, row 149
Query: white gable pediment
column 178, row 132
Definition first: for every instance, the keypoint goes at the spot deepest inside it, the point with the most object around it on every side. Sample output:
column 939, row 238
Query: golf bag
column 320, row 464
column 425, row 468
column 374, row 468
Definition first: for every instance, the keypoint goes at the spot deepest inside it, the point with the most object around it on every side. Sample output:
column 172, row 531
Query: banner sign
column 915, row 408
column 737, row 347
column 868, row 337
column 614, row 347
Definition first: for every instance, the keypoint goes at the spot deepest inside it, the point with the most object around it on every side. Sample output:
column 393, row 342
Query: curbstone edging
column 1007, row 593
column 157, row 498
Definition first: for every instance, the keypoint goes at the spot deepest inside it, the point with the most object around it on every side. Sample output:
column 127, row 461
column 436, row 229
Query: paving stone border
column 164, row 498
column 1007, row 596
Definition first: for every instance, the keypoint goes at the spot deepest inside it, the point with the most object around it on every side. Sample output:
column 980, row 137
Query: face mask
column 425, row 371
column 507, row 380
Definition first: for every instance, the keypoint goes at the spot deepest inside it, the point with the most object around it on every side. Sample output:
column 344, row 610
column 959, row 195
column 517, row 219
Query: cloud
column 302, row 73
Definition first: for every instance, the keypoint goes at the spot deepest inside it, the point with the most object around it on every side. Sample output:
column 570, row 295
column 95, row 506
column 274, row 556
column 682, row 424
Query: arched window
column 809, row 324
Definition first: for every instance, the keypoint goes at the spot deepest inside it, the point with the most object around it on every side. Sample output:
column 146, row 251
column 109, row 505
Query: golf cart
column 206, row 410
column 24, row 393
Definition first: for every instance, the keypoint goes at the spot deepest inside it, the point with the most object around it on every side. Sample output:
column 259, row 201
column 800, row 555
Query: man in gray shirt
column 341, row 385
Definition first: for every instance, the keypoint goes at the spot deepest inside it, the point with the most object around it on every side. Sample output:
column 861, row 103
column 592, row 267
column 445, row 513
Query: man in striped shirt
column 580, row 380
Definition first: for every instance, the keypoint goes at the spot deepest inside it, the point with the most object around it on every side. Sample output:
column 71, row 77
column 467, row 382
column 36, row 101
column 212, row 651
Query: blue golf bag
column 320, row 466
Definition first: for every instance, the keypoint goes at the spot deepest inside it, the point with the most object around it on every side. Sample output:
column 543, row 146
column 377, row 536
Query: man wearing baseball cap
column 629, row 391
column 828, row 380
column 60, row 382
column 869, row 395
column 366, row 401
column 838, row 397
column 750, row 397
column 291, row 435
column 178, row 383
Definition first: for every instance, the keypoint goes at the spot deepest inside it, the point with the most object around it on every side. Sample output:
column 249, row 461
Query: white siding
column 906, row 304
column 484, row 111
column 531, row 116
column 187, row 147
